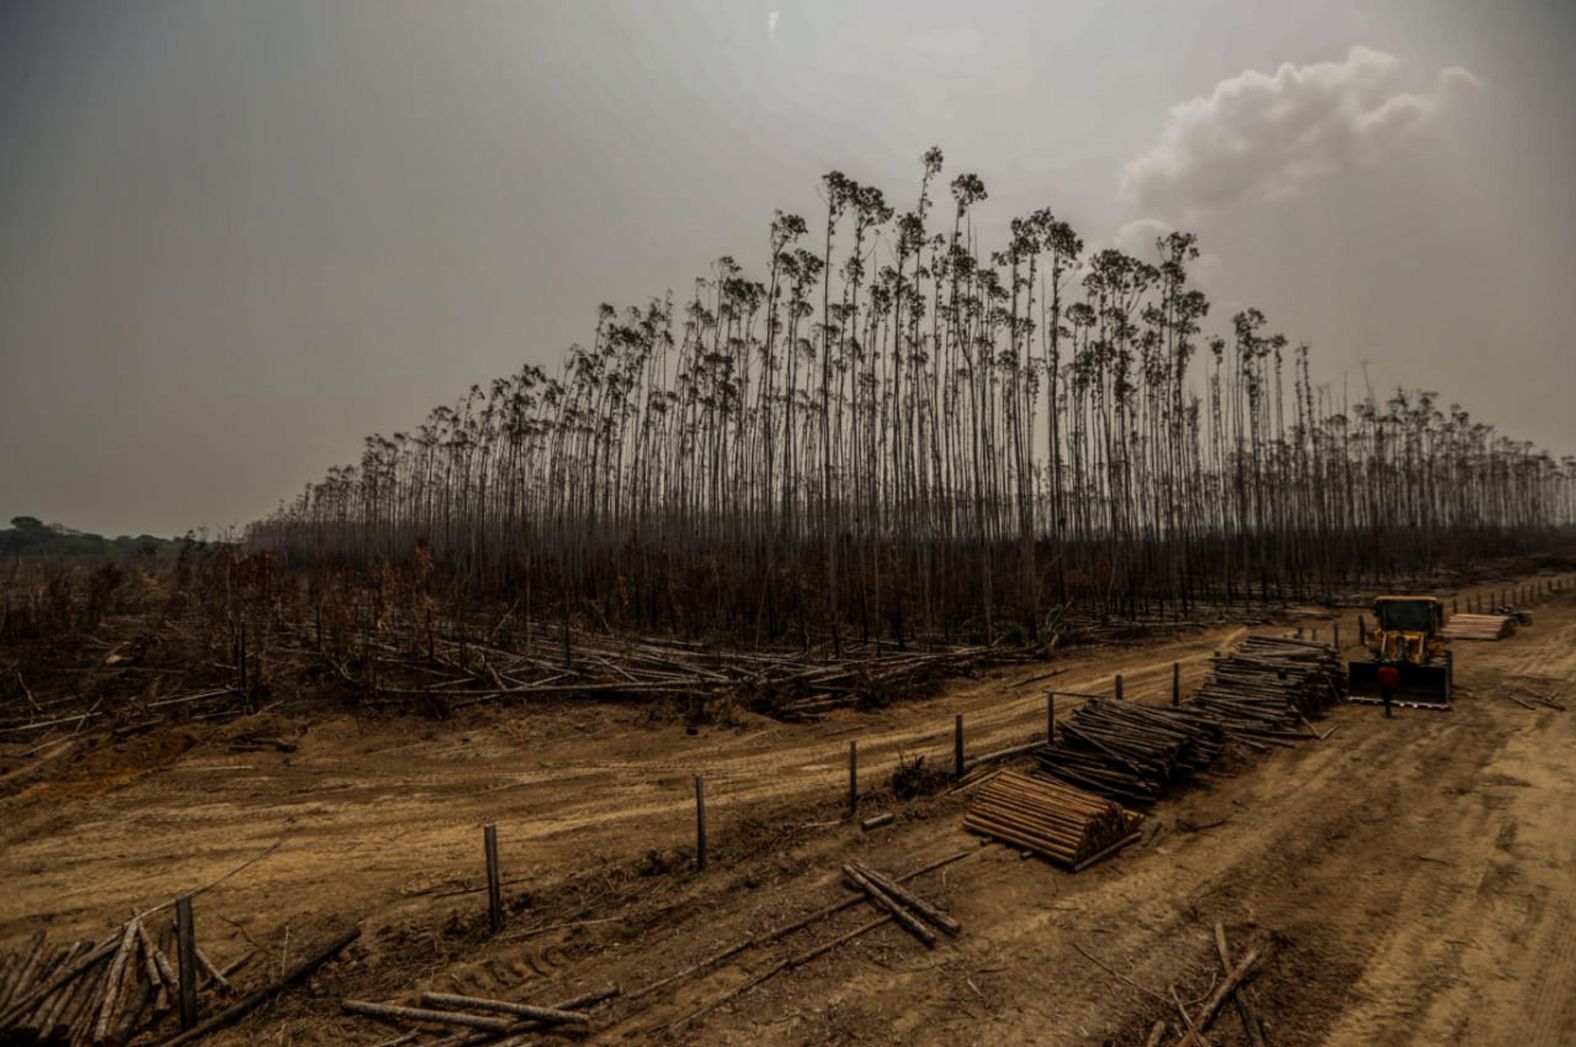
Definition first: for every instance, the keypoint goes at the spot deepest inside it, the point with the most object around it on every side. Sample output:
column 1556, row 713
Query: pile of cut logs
column 1314, row 677
column 94, row 993
column 791, row 684
column 1260, row 694
column 1126, row 751
column 1066, row 825
column 480, row 1019
column 1263, row 692
column 1478, row 627
column 791, row 692
column 455, row 671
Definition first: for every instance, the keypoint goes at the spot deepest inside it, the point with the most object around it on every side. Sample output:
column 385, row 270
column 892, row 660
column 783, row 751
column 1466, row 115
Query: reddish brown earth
column 1414, row 879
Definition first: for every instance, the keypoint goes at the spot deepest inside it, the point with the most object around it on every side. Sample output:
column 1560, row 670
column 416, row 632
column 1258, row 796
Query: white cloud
column 1260, row 135
column 771, row 24
column 1138, row 237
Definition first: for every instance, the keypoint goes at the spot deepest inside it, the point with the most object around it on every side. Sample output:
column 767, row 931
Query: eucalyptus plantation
column 892, row 433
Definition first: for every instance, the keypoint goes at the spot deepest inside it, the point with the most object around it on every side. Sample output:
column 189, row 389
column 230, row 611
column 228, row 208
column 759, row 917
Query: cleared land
column 1416, row 877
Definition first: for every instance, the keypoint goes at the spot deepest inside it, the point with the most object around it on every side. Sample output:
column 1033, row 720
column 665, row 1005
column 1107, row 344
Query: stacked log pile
column 1260, row 694
column 1263, row 692
column 1066, row 825
column 1478, row 627
column 1128, row 752
column 93, row 993
column 1314, row 677
column 791, row 691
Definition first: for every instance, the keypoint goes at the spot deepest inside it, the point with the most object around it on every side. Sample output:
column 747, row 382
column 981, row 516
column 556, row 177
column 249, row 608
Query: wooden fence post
column 957, row 745
column 186, row 959
column 1118, row 686
column 1050, row 717
column 700, row 822
column 1176, row 683
column 853, row 778
column 494, row 880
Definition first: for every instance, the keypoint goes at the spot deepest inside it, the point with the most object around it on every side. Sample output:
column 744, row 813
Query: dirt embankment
column 1415, row 875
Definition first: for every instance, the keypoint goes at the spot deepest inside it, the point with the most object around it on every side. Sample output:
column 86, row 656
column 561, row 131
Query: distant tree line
column 29, row 536
column 888, row 431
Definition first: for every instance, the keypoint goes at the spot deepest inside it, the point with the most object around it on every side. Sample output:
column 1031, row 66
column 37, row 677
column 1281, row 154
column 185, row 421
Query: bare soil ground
column 1415, row 877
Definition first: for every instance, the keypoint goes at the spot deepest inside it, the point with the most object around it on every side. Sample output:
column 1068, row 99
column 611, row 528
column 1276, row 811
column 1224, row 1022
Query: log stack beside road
column 1064, row 824
column 1260, row 694
column 1478, row 627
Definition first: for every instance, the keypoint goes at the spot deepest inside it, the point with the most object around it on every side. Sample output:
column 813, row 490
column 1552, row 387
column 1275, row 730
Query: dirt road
column 368, row 810
column 1415, row 877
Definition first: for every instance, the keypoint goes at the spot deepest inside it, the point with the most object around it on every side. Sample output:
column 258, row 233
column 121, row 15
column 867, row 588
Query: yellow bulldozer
column 1406, row 647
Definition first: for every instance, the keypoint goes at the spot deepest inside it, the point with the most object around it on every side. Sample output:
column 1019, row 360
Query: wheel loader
column 1407, row 638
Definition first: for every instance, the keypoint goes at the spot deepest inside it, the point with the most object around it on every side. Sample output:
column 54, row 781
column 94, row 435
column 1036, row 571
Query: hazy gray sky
column 237, row 237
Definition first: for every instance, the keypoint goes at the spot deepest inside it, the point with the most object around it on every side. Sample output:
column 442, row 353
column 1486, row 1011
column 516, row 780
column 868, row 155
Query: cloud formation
column 1138, row 237
column 1264, row 136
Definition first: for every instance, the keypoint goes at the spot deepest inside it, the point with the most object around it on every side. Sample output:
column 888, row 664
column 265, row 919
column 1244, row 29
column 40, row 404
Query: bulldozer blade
column 1420, row 685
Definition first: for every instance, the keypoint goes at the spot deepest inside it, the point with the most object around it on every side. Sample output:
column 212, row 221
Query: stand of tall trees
column 888, row 433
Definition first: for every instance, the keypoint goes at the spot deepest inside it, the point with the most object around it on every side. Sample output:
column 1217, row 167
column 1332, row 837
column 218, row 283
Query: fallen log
column 547, row 1015
column 53, row 1005
column 584, row 1000
column 784, row 930
column 113, row 993
column 912, row 901
column 1188, row 1025
column 78, row 994
column 33, row 1021
column 18, row 982
column 1239, row 974
column 1245, row 1009
column 882, row 900
column 472, row 1036
column 241, row 1008
column 776, row 969
column 1106, row 853
column 160, row 975
column 587, row 999
column 421, row 1014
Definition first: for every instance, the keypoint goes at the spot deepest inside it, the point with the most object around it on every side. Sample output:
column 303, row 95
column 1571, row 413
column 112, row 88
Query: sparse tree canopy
column 950, row 440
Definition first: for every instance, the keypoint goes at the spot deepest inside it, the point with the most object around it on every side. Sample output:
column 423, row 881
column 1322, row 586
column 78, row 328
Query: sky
column 238, row 237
